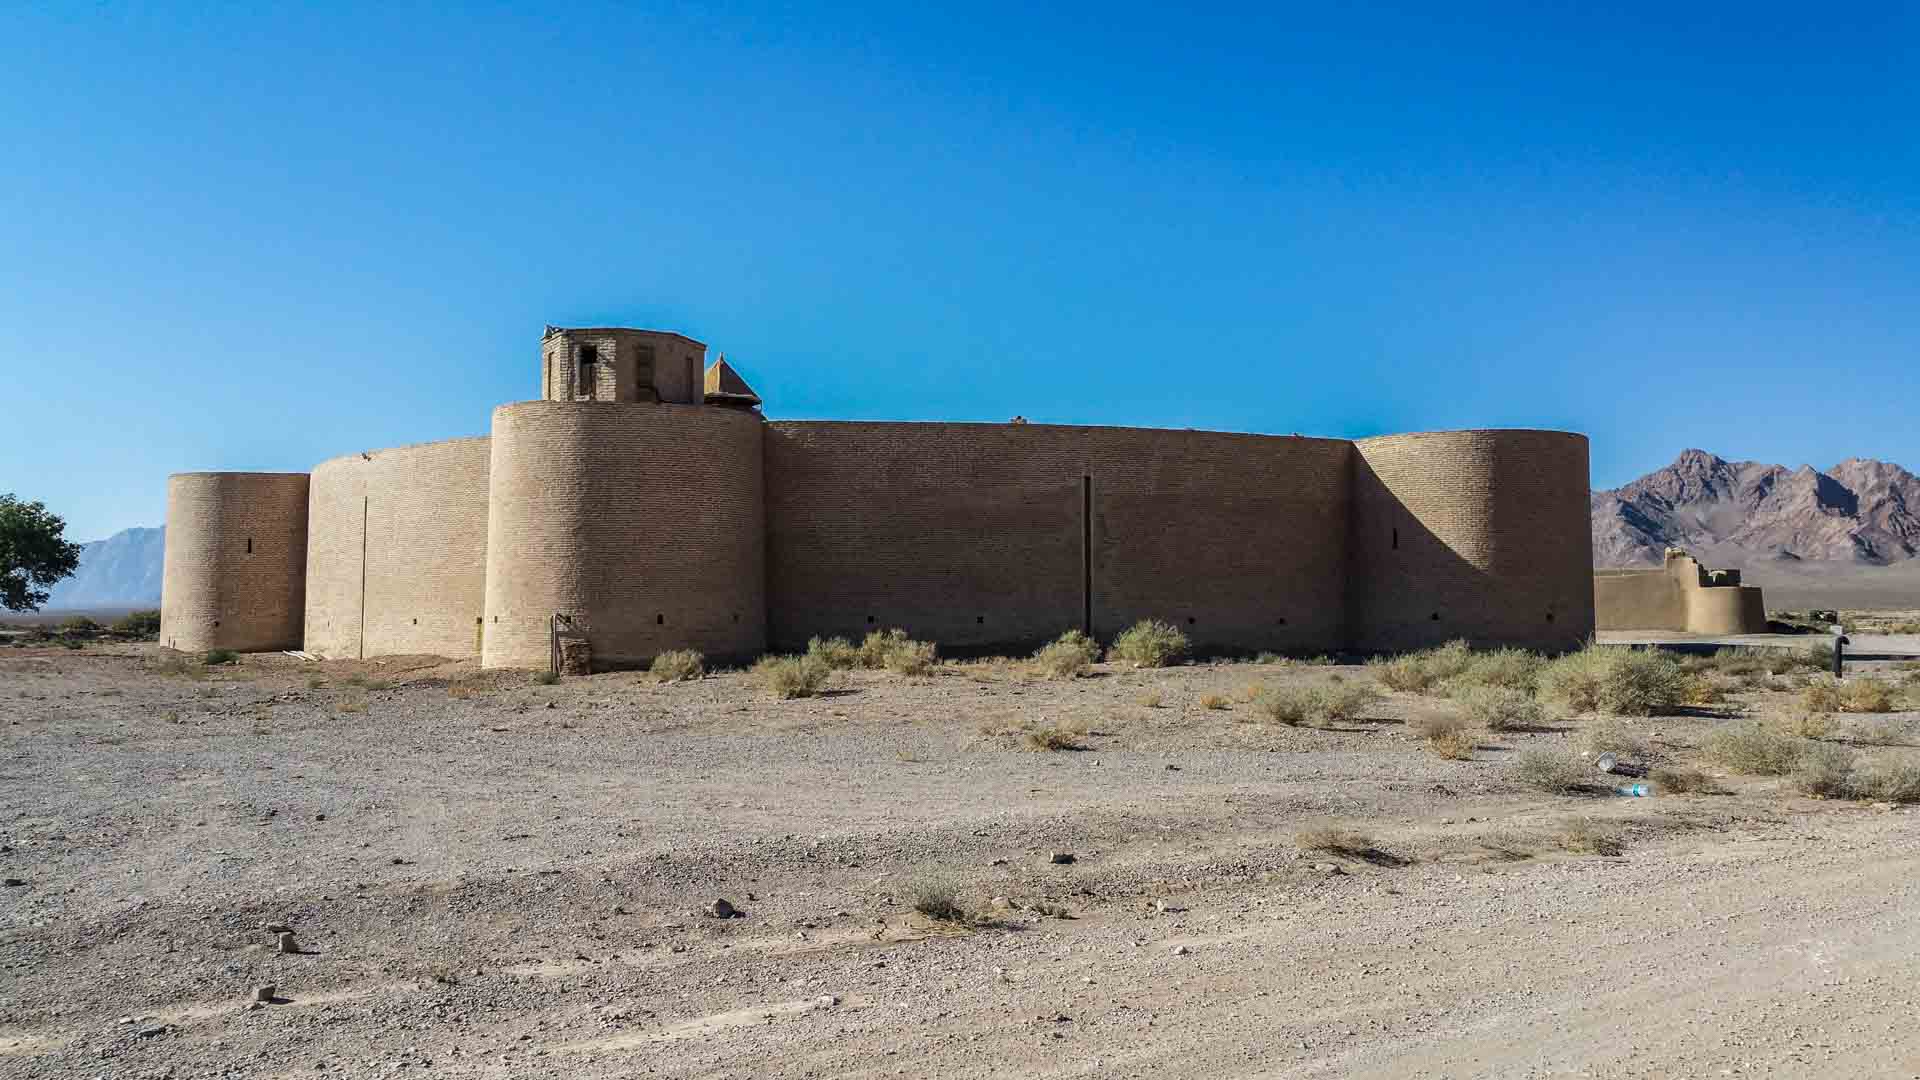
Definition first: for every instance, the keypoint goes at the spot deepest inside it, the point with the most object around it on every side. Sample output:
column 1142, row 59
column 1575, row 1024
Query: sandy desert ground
column 487, row 877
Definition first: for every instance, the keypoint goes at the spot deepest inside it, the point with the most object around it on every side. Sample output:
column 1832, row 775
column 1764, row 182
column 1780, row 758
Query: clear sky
column 256, row 237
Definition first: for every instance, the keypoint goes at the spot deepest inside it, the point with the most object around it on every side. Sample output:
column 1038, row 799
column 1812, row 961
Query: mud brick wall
column 235, row 562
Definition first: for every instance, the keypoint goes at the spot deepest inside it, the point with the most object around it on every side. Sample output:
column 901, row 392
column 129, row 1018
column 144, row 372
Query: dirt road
column 489, row 878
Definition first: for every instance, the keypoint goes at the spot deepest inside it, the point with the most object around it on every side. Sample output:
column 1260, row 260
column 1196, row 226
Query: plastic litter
column 1636, row 791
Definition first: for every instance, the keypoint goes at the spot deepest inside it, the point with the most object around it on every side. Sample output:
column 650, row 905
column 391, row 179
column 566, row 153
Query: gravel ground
column 487, row 877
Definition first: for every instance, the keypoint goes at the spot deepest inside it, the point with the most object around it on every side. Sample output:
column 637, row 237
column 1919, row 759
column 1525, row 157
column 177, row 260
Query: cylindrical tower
column 236, row 561
column 644, row 527
column 1482, row 535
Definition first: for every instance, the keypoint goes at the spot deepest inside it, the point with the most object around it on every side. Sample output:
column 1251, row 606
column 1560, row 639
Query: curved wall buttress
column 644, row 523
column 1482, row 535
column 397, row 551
column 235, row 561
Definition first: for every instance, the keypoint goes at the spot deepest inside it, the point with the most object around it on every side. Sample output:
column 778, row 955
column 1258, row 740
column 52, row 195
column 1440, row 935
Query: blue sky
column 255, row 237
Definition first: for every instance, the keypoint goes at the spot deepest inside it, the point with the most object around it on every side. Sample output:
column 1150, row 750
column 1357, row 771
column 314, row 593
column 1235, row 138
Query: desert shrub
column 1753, row 749
column 836, row 653
column 1448, row 735
column 1823, row 769
column 1512, row 669
column 1678, row 780
column 1866, row 694
column 1250, row 692
column 354, row 703
column 1152, row 699
column 912, row 658
column 1702, row 689
column 1315, row 706
column 80, row 624
column 1821, row 696
column 1804, row 723
column 219, row 657
column 1418, row 672
column 1149, row 643
column 544, row 678
column 939, row 899
column 1054, row 737
column 1888, row 779
column 677, row 664
column 1552, row 771
column 1620, row 682
column 1335, row 840
column 1500, row 708
column 1582, row 835
column 788, row 677
column 141, row 624
column 1612, row 736
column 1213, row 701
column 1068, row 656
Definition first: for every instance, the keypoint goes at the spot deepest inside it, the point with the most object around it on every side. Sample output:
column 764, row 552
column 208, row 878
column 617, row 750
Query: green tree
column 33, row 552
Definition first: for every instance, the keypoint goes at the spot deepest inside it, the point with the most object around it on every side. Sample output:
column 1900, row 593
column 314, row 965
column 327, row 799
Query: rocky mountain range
column 1861, row 512
column 122, row 571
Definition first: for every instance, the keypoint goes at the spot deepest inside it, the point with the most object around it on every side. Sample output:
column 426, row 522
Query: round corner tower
column 236, row 561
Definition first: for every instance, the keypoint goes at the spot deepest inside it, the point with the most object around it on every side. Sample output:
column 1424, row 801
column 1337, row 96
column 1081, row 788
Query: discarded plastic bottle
column 1637, row 791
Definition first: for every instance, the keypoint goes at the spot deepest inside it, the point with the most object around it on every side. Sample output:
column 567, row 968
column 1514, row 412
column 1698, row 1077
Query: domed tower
column 612, row 363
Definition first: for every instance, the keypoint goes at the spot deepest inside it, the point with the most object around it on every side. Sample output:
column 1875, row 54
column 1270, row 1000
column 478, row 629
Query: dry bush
column 355, row 703
column 1583, row 836
column 1615, row 681
column 1702, row 689
column 1419, row 672
column 1804, row 723
column 939, row 899
column 837, row 653
column 1677, row 780
column 1887, row 778
column 1335, row 840
column 1151, row 699
column 1553, row 771
column 1213, row 701
column 677, row 664
column 912, row 657
column 1055, row 737
column 1511, row 669
column 1612, row 736
column 1315, row 706
column 544, row 678
column 1250, row 692
column 1821, row 696
column 1068, row 656
column 1448, row 736
column 459, row 691
column 1500, row 708
column 1866, row 694
column 788, row 677
column 1149, row 643
column 1825, row 770
column 220, row 657
column 1753, row 749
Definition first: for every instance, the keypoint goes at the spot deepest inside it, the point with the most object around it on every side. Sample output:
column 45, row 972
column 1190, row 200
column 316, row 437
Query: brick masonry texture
column 645, row 524
column 1482, row 535
column 1678, row 596
column 235, row 561
column 655, row 525
column 975, row 535
column 418, row 515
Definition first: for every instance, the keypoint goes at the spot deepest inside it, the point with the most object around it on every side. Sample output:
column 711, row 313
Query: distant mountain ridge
column 122, row 571
column 1861, row 512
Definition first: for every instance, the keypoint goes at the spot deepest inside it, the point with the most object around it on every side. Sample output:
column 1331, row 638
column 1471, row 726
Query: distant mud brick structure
column 645, row 503
column 1681, row 596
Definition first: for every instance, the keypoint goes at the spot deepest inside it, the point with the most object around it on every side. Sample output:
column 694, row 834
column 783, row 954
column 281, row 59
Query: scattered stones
column 1061, row 858
column 1162, row 905
column 263, row 993
column 1181, row 950
column 150, row 1032
column 277, row 928
column 827, row 1001
column 287, row 944
column 13, row 882
column 721, row 909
